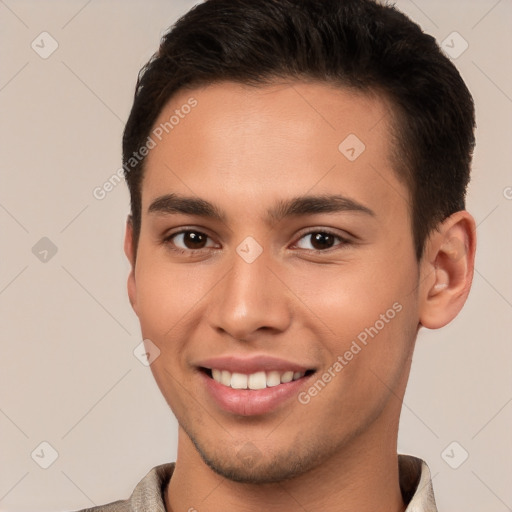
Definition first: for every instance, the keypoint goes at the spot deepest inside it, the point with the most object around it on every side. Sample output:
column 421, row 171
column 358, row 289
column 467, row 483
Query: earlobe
column 130, row 254
column 447, row 270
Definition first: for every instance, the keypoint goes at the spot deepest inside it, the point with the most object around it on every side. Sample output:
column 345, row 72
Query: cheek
column 166, row 295
column 168, row 298
column 349, row 298
column 369, row 317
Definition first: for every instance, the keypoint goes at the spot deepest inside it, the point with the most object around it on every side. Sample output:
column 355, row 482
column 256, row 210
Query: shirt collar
column 416, row 484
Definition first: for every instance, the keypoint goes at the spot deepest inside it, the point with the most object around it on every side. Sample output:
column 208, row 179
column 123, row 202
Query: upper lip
column 252, row 364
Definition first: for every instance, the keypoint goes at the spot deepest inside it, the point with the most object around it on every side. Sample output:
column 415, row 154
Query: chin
column 250, row 466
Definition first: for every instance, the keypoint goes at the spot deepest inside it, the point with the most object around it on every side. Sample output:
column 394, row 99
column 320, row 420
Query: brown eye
column 190, row 240
column 320, row 240
column 194, row 240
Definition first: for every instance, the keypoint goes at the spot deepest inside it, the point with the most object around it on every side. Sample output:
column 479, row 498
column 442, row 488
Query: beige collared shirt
column 148, row 496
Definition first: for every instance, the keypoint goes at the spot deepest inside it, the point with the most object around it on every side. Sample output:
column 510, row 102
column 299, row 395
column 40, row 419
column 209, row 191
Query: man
column 297, row 171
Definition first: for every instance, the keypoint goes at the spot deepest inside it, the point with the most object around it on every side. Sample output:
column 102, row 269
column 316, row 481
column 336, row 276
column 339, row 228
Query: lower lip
column 251, row 402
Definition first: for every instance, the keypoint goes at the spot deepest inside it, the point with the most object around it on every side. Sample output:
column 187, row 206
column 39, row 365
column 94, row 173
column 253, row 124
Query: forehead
column 260, row 143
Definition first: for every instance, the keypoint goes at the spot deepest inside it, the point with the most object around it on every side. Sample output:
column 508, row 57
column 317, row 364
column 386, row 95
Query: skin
column 243, row 149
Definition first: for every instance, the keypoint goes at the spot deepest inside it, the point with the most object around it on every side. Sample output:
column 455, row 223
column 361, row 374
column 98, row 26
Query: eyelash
column 192, row 252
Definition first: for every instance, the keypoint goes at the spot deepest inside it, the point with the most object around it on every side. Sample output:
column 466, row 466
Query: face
column 276, row 275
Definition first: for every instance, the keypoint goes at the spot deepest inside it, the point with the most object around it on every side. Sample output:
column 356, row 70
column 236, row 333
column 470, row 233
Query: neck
column 362, row 476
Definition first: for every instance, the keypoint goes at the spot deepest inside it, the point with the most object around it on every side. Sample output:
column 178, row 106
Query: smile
column 257, row 380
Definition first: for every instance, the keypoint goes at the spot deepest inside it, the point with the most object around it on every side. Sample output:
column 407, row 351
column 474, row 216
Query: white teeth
column 273, row 379
column 257, row 380
column 286, row 377
column 225, row 378
column 239, row 381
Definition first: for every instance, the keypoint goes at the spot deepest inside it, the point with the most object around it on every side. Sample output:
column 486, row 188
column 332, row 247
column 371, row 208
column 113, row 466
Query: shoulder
column 147, row 495
column 116, row 506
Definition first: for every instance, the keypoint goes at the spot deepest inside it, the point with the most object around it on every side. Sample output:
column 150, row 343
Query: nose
column 250, row 300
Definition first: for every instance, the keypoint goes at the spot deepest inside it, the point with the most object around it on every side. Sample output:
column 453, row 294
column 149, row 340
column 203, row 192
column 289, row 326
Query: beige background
column 68, row 373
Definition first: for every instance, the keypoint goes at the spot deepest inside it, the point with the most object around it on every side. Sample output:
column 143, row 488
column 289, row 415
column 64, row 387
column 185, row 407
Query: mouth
column 254, row 381
column 252, row 386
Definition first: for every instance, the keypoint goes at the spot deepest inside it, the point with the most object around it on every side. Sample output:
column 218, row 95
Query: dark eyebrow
column 309, row 205
column 302, row 205
column 172, row 203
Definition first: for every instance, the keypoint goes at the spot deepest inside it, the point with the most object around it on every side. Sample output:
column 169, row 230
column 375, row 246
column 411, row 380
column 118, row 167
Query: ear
column 446, row 270
column 129, row 250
